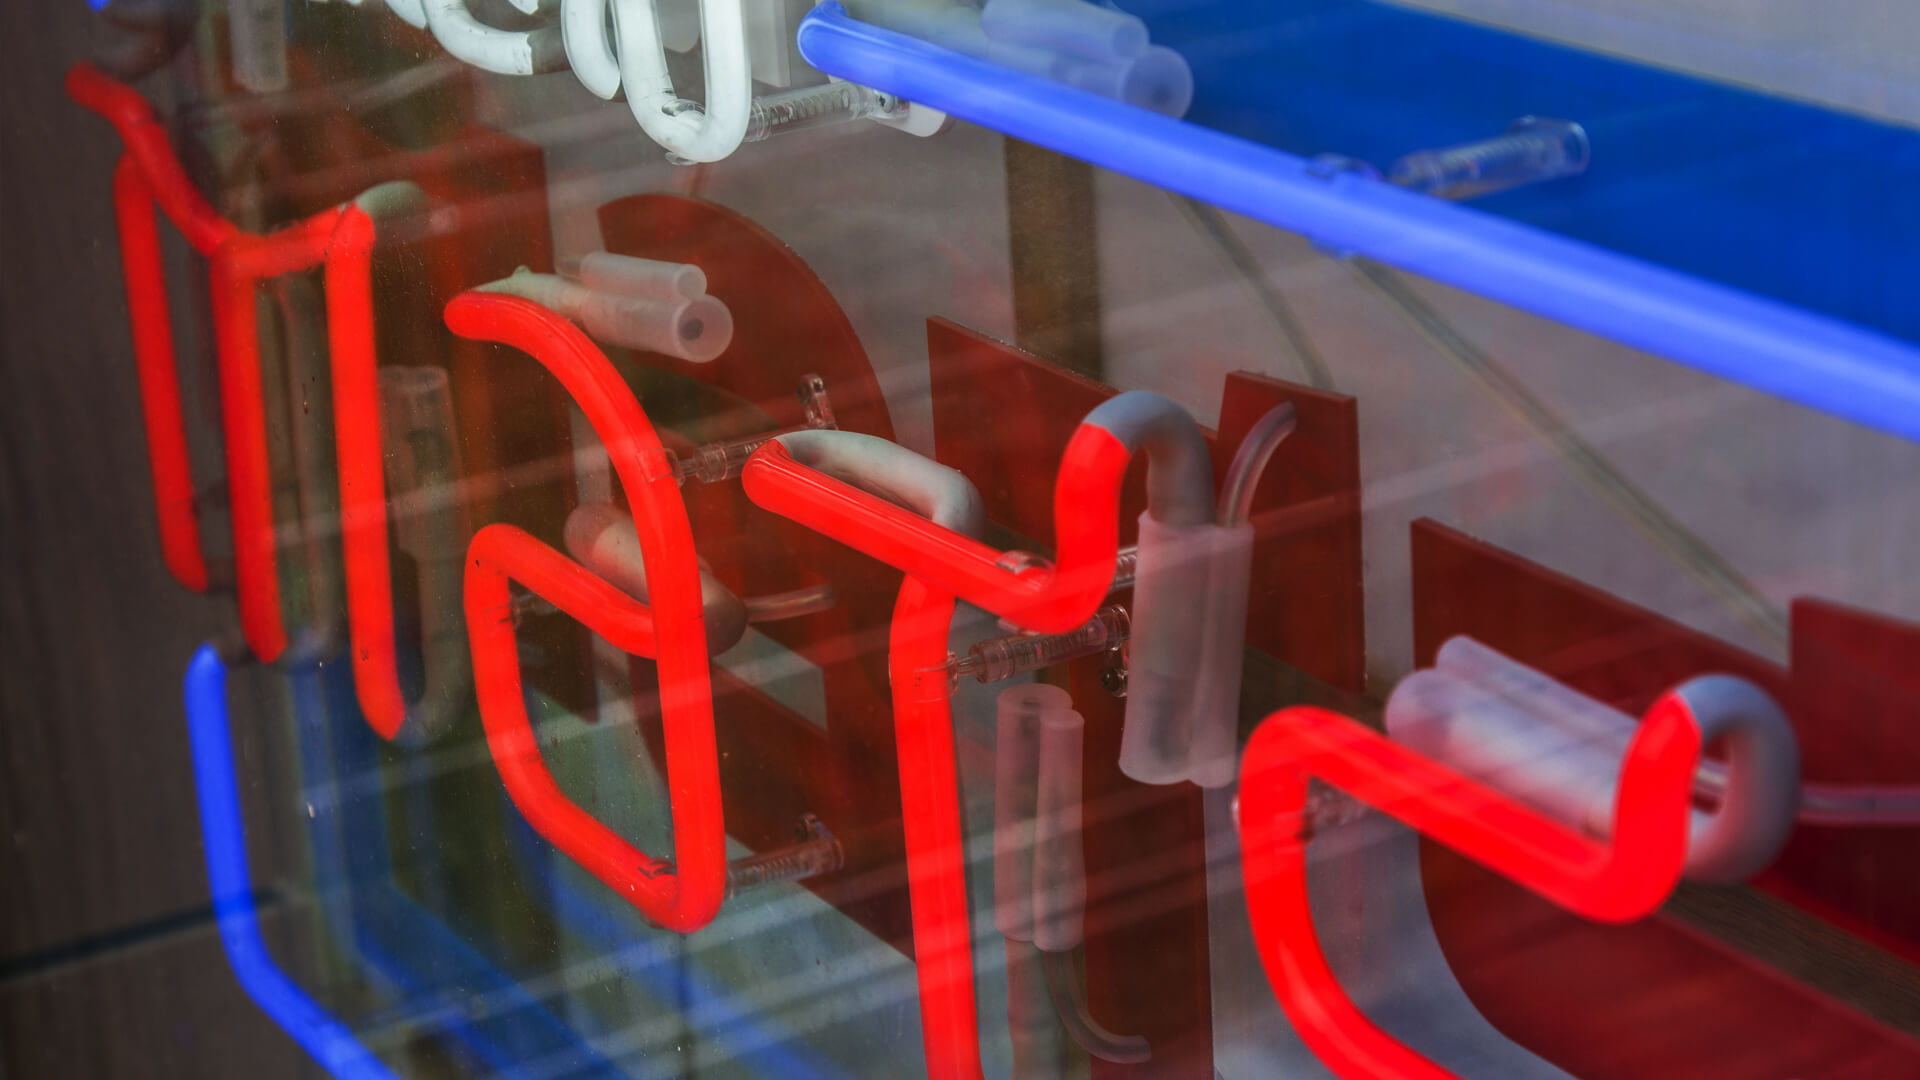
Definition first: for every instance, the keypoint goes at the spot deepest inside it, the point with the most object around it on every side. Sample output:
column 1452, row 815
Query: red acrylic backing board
column 775, row 764
column 1653, row 998
column 1003, row 417
column 1856, row 704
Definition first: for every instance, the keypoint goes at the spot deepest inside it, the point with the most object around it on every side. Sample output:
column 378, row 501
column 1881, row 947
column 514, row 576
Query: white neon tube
column 583, row 31
column 684, row 128
column 503, row 52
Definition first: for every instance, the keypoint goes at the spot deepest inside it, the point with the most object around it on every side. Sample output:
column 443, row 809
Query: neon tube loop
column 1615, row 881
column 1086, row 510
column 684, row 894
column 1812, row 360
column 329, row 1041
column 688, row 131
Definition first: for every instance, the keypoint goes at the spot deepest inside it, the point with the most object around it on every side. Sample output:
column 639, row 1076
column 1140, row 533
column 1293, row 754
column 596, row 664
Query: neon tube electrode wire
column 683, row 895
column 328, row 1041
column 1616, row 881
column 1812, row 360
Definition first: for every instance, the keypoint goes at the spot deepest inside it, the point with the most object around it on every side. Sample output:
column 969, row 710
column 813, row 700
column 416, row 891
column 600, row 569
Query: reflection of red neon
column 685, row 894
column 1616, row 881
column 930, row 816
column 1086, row 514
column 148, row 174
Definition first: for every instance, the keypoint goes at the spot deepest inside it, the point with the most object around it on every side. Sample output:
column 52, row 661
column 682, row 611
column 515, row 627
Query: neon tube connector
column 1616, row 881
column 326, row 1039
column 682, row 895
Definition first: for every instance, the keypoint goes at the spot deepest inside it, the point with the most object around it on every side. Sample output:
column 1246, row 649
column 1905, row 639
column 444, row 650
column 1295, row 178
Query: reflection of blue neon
column 329, row 1041
column 426, row 962
column 1809, row 359
column 751, row 1041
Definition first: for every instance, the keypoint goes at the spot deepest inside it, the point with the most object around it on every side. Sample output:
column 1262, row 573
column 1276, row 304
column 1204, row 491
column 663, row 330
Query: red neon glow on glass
column 1086, row 514
column 1615, row 882
column 683, row 895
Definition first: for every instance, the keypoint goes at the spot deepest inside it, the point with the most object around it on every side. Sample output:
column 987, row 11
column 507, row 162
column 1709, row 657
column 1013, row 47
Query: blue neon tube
column 319, row 1034
column 1811, row 360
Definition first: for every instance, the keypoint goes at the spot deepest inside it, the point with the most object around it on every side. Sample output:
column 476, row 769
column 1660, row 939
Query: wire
column 1254, row 276
column 1601, row 475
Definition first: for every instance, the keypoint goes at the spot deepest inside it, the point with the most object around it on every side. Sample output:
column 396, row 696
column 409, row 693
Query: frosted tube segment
column 1490, row 738
column 694, row 330
column 648, row 279
column 1073, row 27
column 1216, row 725
column 1016, row 782
column 1165, row 657
column 1535, row 693
column 423, row 458
column 1059, row 864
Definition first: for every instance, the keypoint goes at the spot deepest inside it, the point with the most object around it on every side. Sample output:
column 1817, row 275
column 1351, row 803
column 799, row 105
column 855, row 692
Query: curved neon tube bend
column 685, row 894
column 503, row 52
column 1086, row 510
column 684, row 128
column 330, row 1042
column 1615, row 882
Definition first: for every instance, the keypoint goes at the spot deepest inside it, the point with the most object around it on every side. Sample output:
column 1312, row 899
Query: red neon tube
column 1086, row 513
column 147, row 145
column 930, row 815
column 146, row 284
column 239, row 261
column 1615, row 882
column 683, row 895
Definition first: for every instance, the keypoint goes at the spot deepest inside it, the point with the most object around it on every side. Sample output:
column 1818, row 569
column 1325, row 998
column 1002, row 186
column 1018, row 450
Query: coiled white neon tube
column 504, row 52
column 583, row 30
column 688, row 132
